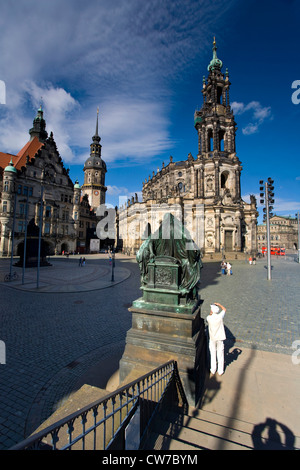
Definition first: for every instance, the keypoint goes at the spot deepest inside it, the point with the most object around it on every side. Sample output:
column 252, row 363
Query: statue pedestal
column 166, row 320
column 159, row 335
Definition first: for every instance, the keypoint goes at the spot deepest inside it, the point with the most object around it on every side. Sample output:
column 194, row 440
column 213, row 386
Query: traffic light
column 267, row 196
column 271, row 191
column 261, row 194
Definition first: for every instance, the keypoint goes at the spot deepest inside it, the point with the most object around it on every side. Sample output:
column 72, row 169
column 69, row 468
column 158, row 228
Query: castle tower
column 94, row 173
column 39, row 127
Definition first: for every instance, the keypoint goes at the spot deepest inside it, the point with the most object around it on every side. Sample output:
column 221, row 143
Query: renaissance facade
column 203, row 192
column 36, row 189
column 283, row 233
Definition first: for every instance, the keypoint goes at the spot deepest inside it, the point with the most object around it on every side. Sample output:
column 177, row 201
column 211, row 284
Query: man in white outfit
column 216, row 337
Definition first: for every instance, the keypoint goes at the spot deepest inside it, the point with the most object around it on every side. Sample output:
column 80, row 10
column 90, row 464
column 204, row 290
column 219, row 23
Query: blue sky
column 142, row 63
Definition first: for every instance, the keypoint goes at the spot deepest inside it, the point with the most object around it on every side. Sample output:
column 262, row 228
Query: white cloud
column 259, row 114
column 121, row 56
column 250, row 129
column 119, row 195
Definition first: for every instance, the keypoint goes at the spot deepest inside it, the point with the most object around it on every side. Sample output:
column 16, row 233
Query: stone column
column 201, row 181
column 238, row 234
column 196, row 184
column 217, row 191
column 217, row 230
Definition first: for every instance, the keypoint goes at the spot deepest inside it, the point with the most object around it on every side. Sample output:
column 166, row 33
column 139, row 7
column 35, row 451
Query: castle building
column 204, row 192
column 37, row 177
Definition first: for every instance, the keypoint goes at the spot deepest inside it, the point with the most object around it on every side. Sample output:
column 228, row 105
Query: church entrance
column 228, row 240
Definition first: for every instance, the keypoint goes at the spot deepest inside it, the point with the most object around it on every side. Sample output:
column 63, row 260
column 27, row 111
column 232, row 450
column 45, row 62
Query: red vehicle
column 275, row 250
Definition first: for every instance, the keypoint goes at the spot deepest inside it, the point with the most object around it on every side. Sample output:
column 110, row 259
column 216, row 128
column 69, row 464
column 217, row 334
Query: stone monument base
column 158, row 336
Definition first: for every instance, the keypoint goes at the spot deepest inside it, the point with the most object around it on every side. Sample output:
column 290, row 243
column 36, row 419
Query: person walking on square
column 223, row 267
column 217, row 337
column 229, row 269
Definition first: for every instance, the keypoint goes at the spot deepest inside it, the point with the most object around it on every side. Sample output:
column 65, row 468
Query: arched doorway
column 64, row 248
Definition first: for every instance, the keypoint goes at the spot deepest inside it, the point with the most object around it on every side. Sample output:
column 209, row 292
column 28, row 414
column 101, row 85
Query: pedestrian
column 223, row 267
column 250, row 259
column 217, row 337
column 229, row 269
column 83, row 261
column 80, row 261
column 254, row 260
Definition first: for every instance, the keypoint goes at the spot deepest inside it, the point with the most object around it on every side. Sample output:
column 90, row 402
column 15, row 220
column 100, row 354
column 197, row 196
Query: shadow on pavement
column 272, row 435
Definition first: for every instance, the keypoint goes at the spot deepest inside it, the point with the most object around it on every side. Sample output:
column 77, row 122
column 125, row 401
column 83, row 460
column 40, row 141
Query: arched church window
column 210, row 140
column 221, row 141
column 219, row 94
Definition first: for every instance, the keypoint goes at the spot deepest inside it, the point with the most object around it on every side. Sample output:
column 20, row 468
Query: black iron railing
column 104, row 423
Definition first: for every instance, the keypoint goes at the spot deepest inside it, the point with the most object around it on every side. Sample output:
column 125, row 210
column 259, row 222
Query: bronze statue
column 173, row 240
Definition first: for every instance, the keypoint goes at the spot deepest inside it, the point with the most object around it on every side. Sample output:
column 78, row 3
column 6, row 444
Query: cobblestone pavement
column 53, row 338
column 260, row 313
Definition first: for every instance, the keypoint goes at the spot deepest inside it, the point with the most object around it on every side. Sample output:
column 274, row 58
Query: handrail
column 101, row 424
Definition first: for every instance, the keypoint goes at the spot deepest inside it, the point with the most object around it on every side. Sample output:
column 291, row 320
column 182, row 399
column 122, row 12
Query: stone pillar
column 217, row 230
column 160, row 336
column 201, row 182
column 166, row 325
column 217, row 191
column 238, row 235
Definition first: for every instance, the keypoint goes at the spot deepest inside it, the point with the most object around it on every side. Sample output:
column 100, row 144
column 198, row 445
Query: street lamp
column 13, row 237
column 113, row 266
column 25, row 237
column 40, row 233
column 267, row 197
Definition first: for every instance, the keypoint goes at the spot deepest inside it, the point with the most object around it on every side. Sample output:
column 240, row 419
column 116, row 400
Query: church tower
column 205, row 191
column 94, row 173
column 218, row 168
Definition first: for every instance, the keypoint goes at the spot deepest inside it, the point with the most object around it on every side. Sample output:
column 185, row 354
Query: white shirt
column 216, row 327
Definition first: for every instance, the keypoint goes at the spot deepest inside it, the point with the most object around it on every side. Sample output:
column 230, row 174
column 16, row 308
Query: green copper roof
column 197, row 119
column 10, row 167
column 215, row 62
column 76, row 185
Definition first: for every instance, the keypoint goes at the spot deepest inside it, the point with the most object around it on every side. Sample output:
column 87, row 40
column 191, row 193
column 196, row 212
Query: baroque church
column 203, row 192
column 36, row 190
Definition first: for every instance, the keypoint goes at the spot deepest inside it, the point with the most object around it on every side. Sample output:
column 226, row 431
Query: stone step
column 202, row 430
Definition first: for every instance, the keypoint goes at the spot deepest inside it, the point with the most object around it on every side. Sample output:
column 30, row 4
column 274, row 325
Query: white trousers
column 216, row 349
